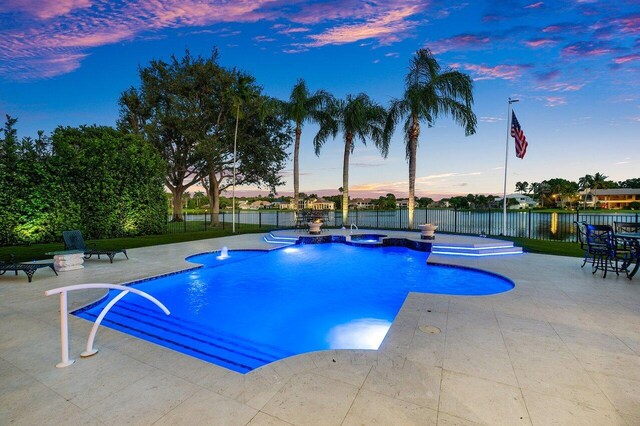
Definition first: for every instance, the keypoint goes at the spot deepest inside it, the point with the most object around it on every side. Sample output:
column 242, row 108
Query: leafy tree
column 302, row 107
column 357, row 117
column 424, row 202
column 429, row 93
column 630, row 183
column 387, row 202
column 177, row 108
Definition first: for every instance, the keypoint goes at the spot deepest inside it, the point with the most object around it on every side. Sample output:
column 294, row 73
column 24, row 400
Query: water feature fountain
column 224, row 253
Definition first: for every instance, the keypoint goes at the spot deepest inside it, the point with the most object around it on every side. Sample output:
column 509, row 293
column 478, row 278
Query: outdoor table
column 633, row 239
column 67, row 260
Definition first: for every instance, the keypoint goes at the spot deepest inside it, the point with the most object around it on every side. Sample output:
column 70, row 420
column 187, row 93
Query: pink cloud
column 462, row 41
column 44, row 9
column 388, row 27
column 587, row 49
column 294, row 30
column 485, row 72
column 554, row 101
column 541, row 42
column 628, row 24
column 84, row 24
column 40, row 47
column 627, row 58
column 535, row 5
column 560, row 87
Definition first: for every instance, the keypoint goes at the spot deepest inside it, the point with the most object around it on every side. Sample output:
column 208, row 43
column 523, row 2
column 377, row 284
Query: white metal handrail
column 64, row 324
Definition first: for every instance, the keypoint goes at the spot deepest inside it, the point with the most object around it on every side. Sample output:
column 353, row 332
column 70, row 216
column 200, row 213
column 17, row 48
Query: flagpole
column 506, row 162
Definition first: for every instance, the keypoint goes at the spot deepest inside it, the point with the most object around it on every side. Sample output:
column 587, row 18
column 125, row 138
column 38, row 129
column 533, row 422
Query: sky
column 574, row 66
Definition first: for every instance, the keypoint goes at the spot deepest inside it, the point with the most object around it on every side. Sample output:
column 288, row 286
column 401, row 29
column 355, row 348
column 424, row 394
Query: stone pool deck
column 563, row 347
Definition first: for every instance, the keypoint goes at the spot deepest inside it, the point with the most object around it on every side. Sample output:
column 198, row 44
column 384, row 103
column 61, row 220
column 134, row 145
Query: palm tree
column 241, row 93
column 302, row 106
column 429, row 93
column 522, row 187
column 584, row 183
column 357, row 117
column 599, row 182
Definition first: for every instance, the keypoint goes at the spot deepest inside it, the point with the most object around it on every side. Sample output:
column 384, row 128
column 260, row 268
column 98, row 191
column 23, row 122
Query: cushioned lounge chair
column 73, row 241
column 29, row 268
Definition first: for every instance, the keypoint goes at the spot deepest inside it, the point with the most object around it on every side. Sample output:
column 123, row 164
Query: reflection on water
column 365, row 333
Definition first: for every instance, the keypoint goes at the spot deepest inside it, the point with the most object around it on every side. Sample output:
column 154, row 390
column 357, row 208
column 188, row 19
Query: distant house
column 320, row 204
column 361, row 203
column 260, row 204
column 524, row 201
column 403, row 203
column 618, row 198
column 243, row 204
column 281, row 204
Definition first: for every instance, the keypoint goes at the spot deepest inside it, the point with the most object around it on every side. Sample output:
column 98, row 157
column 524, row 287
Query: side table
column 67, row 260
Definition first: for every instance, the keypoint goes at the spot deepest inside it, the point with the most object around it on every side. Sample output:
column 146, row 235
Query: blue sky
column 574, row 65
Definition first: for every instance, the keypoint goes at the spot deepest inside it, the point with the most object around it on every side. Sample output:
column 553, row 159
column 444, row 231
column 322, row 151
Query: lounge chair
column 29, row 268
column 73, row 241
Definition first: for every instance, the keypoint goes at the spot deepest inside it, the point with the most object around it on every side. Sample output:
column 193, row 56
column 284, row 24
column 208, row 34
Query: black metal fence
column 557, row 226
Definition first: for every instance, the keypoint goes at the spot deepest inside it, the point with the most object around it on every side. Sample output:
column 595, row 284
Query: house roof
column 616, row 191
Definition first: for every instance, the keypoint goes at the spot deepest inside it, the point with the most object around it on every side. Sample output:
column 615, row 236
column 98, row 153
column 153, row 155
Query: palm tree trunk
column 296, row 167
column 214, row 199
column 345, row 179
column 413, row 148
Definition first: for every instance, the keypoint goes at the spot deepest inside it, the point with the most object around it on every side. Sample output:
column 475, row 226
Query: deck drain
column 429, row 329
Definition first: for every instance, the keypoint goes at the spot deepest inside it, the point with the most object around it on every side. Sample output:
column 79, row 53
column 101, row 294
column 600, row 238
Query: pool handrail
column 64, row 325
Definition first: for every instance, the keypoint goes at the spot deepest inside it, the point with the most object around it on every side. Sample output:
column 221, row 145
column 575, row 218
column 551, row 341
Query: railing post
column 277, row 218
column 64, row 333
column 489, row 231
column 529, row 223
column 259, row 220
column 205, row 220
column 222, row 220
column 184, row 220
column 377, row 218
column 455, row 220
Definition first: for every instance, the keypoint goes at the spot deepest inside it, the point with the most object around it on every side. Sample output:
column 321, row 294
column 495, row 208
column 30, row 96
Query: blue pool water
column 257, row 307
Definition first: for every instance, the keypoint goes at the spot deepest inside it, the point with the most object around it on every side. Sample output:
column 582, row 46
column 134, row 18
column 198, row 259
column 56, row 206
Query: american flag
column 518, row 135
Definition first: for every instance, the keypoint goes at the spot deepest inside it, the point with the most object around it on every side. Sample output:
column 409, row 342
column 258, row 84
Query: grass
column 37, row 251
column 558, row 248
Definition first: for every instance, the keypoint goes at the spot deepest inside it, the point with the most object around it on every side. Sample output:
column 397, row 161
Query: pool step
column 483, row 249
column 274, row 239
column 233, row 352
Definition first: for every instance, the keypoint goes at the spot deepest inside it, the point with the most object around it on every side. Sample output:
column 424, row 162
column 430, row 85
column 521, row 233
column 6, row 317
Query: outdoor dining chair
column 602, row 247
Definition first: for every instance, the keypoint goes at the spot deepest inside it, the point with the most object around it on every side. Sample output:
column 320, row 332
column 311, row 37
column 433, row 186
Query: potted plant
column 428, row 231
column 314, row 226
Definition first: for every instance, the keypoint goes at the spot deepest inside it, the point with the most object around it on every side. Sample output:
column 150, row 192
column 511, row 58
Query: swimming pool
column 256, row 307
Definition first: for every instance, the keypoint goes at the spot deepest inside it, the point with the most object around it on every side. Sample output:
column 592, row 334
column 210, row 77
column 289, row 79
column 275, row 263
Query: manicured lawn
column 37, row 251
column 558, row 248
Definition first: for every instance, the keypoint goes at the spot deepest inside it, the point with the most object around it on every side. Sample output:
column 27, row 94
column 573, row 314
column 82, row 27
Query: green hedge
column 91, row 178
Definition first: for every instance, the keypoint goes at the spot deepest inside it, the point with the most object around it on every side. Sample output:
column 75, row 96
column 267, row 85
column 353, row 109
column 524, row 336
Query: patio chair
column 29, row 268
column 582, row 239
column 601, row 244
column 73, row 241
column 619, row 227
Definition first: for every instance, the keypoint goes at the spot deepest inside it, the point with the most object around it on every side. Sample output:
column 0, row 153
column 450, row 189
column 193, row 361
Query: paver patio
column 563, row 347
